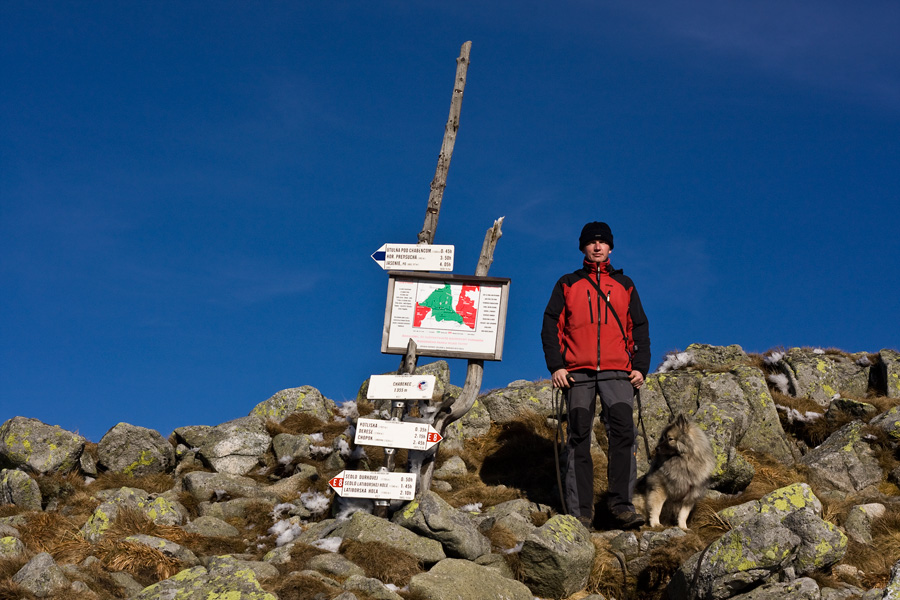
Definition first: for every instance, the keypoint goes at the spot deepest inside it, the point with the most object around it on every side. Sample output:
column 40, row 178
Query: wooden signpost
column 455, row 307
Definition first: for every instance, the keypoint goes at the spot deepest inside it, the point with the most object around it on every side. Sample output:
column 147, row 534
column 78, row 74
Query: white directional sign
column 415, row 257
column 380, row 485
column 400, row 387
column 396, row 434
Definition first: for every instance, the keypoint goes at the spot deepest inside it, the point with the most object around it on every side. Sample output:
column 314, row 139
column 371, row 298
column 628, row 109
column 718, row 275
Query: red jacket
column 581, row 329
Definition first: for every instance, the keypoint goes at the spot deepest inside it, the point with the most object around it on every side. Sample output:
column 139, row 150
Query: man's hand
column 637, row 380
column 560, row 378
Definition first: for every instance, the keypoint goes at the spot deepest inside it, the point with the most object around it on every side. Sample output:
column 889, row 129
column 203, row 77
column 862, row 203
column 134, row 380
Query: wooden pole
column 426, row 236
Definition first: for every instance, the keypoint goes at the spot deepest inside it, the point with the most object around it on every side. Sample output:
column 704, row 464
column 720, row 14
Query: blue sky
column 190, row 192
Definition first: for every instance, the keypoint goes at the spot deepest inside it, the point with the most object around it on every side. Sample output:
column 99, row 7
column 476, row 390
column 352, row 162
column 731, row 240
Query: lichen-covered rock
column 135, row 451
column 462, row 580
column 42, row 577
column 844, row 462
column 219, row 486
column 304, row 399
column 371, row 587
column 858, row 523
column 429, row 515
column 821, row 543
column 334, row 564
column 223, row 578
column 892, row 590
column 11, row 547
column 157, row 508
column 17, row 488
column 890, row 359
column 821, row 376
column 742, row 558
column 289, row 447
column 208, row 526
column 38, row 447
column 764, row 431
column 717, row 357
column 363, row 527
column 234, row 448
column 780, row 503
column 841, row 408
column 556, row 558
column 889, row 421
column 507, row 404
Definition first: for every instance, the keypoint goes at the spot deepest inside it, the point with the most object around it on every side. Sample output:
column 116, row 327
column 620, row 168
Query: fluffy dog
column 680, row 470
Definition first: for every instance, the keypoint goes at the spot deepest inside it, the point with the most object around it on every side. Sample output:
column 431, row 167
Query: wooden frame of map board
column 449, row 316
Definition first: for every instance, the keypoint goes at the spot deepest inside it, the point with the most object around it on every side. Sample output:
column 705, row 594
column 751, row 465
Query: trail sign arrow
column 415, row 257
column 395, row 434
column 380, row 485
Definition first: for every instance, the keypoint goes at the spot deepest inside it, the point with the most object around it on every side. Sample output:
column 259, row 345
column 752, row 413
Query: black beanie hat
column 595, row 231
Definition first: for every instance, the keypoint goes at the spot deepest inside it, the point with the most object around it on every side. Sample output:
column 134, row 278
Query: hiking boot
column 629, row 520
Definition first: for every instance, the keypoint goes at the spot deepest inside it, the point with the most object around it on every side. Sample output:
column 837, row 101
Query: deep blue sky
column 190, row 191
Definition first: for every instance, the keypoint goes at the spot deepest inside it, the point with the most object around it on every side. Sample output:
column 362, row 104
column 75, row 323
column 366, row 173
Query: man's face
column 596, row 251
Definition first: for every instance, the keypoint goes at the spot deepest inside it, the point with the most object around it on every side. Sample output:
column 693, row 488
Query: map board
column 451, row 316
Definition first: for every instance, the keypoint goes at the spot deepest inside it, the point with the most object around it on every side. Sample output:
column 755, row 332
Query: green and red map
column 448, row 305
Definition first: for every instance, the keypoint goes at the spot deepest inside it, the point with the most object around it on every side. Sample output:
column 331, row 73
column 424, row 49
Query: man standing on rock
column 596, row 340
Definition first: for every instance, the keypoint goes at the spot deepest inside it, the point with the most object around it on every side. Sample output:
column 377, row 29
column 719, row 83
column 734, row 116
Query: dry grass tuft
column 383, row 562
column 502, row 538
column 608, row 575
column 143, row 562
column 664, row 562
column 300, row 555
column 302, row 587
column 48, row 531
column 154, row 483
column 13, row 591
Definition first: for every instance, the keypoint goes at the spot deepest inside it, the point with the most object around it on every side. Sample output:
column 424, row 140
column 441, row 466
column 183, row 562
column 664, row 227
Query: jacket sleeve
column 553, row 316
column 640, row 334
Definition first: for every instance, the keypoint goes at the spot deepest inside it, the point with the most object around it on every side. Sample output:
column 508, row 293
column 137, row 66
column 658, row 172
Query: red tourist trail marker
column 415, row 257
column 396, row 434
column 379, row 485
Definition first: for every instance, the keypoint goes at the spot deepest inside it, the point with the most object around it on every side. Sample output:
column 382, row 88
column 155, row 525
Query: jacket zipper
column 598, row 319
column 591, row 307
column 606, row 313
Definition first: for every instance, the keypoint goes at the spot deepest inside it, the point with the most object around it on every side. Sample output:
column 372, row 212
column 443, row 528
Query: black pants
column 617, row 406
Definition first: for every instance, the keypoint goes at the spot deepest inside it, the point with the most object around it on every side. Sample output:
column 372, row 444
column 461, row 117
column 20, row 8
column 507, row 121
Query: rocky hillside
column 804, row 502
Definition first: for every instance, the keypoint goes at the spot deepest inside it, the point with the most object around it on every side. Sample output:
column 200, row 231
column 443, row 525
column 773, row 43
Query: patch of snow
column 472, row 508
column 781, row 382
column 331, row 544
column 676, row 361
column 315, row 502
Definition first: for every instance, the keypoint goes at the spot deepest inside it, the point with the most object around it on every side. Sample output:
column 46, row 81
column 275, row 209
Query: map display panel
column 452, row 316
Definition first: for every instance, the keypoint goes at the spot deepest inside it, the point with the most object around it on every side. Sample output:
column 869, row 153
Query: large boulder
column 429, row 515
column 42, row 577
column 780, row 536
column 17, row 488
column 507, row 404
column 135, row 451
column 223, row 577
column 304, row 399
column 35, row 446
column 363, row 527
column 557, row 557
column 234, row 448
column 156, row 508
column 708, row 357
column 463, row 580
column 820, row 376
column 844, row 462
column 733, row 407
column 219, row 486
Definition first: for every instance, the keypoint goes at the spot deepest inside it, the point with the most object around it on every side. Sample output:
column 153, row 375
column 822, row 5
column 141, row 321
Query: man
column 596, row 342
